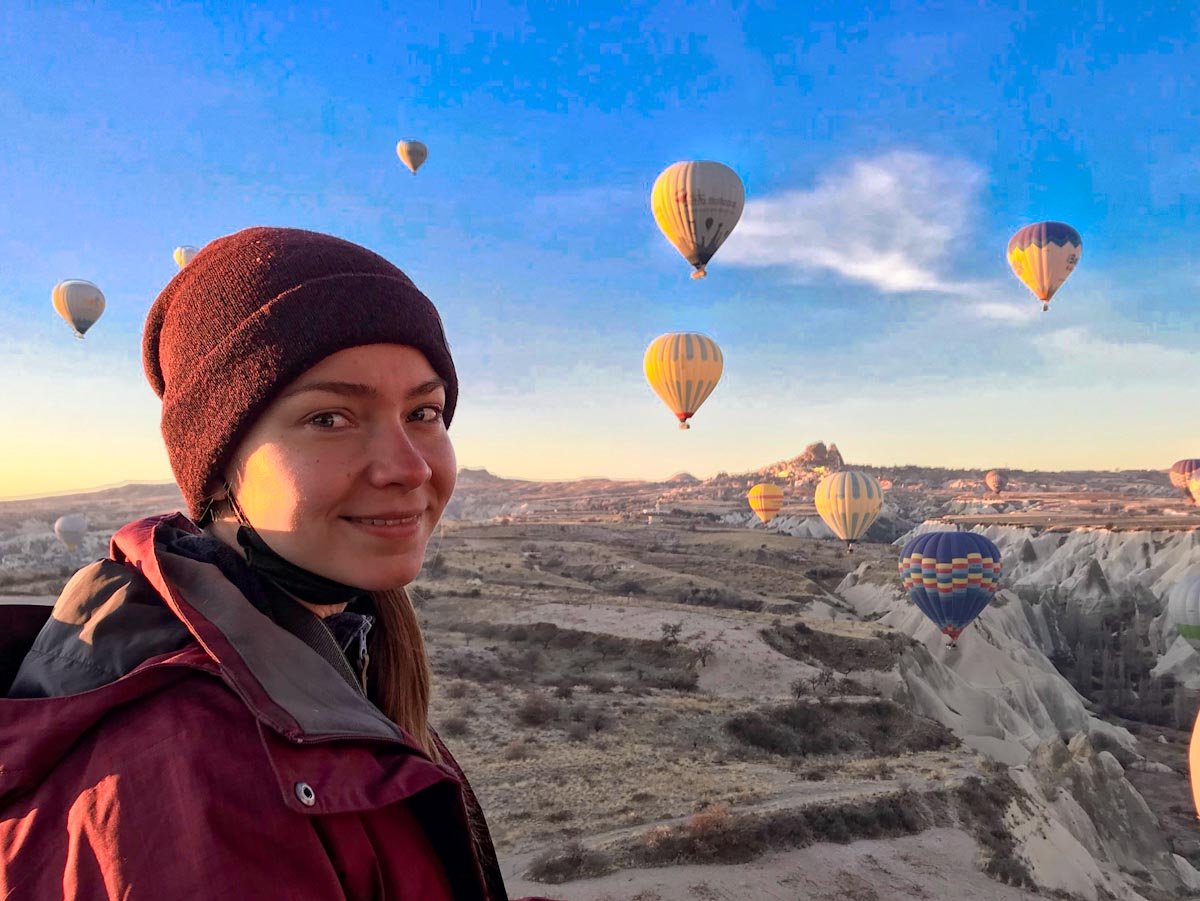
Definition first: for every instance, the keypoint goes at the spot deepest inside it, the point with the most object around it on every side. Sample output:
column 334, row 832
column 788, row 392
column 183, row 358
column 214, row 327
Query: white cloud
column 1080, row 352
column 890, row 221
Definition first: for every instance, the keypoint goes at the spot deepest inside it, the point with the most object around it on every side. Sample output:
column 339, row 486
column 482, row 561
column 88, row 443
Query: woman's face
column 348, row 470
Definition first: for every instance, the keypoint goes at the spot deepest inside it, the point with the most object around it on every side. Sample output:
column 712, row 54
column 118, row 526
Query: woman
column 236, row 706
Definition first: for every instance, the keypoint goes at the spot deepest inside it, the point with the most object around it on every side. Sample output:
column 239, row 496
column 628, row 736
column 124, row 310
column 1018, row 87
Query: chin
column 375, row 576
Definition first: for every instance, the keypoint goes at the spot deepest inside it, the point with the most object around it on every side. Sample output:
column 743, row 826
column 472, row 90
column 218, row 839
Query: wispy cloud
column 889, row 221
column 1080, row 352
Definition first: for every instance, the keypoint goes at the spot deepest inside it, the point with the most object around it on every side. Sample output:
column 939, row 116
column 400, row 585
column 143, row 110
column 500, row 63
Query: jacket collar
column 286, row 684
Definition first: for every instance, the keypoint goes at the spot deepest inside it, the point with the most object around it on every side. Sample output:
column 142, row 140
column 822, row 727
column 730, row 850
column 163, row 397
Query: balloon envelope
column 413, row 154
column 697, row 204
column 683, row 368
column 1183, row 608
column 70, row 529
column 1043, row 255
column 766, row 500
column 79, row 302
column 848, row 502
column 950, row 576
column 1181, row 473
column 996, row 480
column 183, row 255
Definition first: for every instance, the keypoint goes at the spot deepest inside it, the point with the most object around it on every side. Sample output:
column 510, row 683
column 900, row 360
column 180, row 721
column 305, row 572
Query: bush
column 574, row 861
column 455, row 726
column 537, row 710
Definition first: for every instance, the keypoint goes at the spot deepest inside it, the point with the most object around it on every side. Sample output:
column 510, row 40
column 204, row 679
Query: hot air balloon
column 79, row 302
column 696, row 205
column 951, row 577
column 413, row 154
column 1043, row 255
column 996, row 481
column 183, row 255
column 765, row 500
column 1183, row 608
column 70, row 529
column 1194, row 765
column 1181, row 473
column 848, row 502
column 683, row 368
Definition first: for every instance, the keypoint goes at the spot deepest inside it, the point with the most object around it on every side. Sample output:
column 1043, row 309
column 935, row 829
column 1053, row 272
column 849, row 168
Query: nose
column 395, row 458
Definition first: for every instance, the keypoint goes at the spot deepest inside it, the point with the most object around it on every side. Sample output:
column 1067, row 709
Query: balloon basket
column 684, row 425
column 1045, row 308
column 699, row 273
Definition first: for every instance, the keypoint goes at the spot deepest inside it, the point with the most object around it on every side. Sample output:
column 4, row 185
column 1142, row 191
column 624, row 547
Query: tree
column 670, row 633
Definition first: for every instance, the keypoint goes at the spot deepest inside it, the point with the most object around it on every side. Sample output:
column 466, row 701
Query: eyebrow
column 355, row 389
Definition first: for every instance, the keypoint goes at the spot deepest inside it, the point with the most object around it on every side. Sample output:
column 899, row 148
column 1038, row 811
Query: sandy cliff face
column 1087, row 825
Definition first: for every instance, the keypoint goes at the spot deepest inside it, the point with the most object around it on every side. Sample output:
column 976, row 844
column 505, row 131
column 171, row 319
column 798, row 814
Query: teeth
column 383, row 522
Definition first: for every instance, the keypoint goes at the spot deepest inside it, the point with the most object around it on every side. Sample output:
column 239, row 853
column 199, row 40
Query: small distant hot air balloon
column 1043, row 255
column 183, row 255
column 848, row 502
column 697, row 204
column 1183, row 608
column 1181, row 473
column 951, row 577
column 413, row 154
column 79, row 302
column 766, row 500
column 996, row 480
column 683, row 368
column 70, row 529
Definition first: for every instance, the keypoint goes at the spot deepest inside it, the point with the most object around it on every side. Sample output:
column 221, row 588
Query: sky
column 864, row 298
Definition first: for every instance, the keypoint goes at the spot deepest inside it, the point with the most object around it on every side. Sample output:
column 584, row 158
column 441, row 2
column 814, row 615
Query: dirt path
column 936, row 865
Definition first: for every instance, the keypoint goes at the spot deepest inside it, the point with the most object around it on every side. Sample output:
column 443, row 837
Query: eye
column 427, row 413
column 327, row 421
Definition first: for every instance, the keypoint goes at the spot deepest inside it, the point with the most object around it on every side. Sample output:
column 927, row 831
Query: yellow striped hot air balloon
column 413, row 154
column 766, row 500
column 683, row 368
column 848, row 502
column 79, row 302
column 697, row 204
column 184, row 254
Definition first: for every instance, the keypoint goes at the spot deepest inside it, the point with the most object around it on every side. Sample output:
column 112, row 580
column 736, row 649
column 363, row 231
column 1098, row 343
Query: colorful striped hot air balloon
column 79, row 302
column 766, row 500
column 683, row 368
column 697, row 204
column 996, row 481
column 1183, row 609
column 1181, row 474
column 848, row 502
column 1043, row 255
column 951, row 577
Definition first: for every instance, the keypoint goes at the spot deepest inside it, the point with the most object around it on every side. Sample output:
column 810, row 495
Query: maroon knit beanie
column 248, row 315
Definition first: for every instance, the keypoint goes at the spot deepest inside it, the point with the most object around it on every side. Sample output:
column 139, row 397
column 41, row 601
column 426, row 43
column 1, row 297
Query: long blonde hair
column 400, row 665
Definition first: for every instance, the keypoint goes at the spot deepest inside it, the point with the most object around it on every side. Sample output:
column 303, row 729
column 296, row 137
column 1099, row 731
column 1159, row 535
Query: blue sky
column 864, row 299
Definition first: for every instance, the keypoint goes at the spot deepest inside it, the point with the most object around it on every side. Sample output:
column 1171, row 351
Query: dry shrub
column 709, row 820
column 455, row 726
column 517, row 750
column 538, row 710
column 573, row 861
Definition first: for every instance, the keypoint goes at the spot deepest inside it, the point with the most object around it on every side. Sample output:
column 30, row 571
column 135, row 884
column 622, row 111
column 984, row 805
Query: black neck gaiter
column 291, row 578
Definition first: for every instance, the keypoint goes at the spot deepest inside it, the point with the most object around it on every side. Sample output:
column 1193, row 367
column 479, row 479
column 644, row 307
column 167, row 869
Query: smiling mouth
column 371, row 521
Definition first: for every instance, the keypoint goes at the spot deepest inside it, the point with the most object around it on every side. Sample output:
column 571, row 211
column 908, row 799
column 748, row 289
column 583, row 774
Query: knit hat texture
column 253, row 311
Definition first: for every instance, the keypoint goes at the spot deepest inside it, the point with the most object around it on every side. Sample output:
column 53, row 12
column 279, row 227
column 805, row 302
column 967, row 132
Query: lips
column 385, row 519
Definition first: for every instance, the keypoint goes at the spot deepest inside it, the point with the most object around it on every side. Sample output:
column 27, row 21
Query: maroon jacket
column 239, row 765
